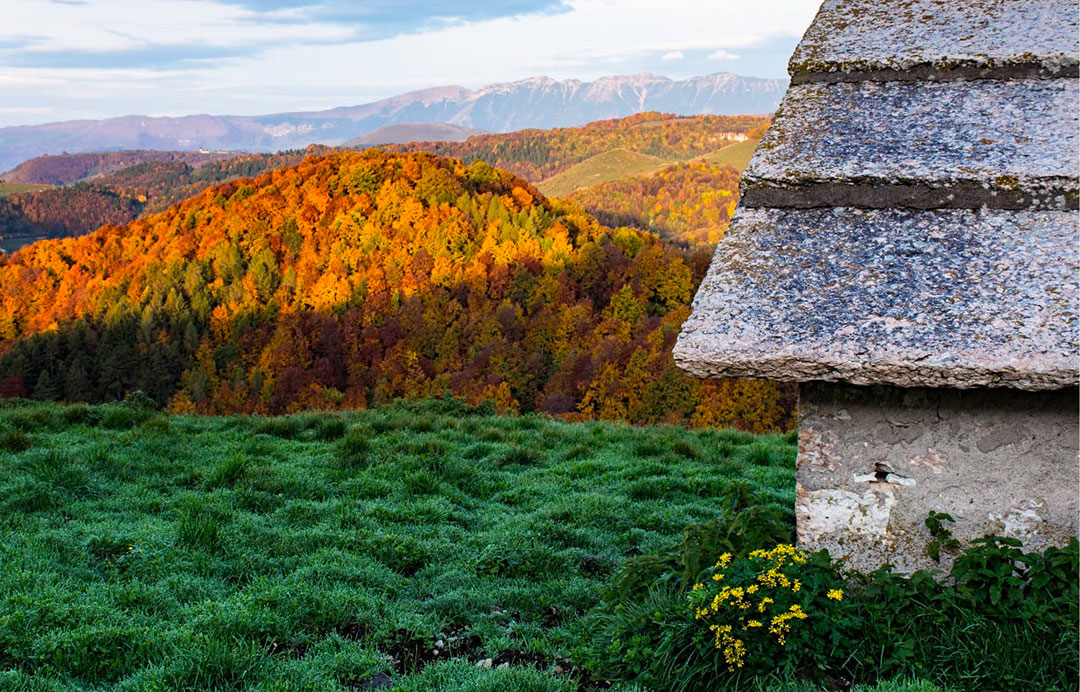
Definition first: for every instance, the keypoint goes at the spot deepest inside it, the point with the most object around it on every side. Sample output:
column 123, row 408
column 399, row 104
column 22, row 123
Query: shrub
column 644, row 630
column 80, row 414
column 140, row 401
column 124, row 416
column 1001, row 618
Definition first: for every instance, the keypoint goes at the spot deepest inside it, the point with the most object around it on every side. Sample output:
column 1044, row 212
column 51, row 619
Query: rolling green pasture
column 17, row 188
column 736, row 155
column 424, row 546
column 619, row 164
column 602, row 168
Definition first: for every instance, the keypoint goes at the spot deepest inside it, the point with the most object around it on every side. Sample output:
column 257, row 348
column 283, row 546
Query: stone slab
column 890, row 40
column 873, row 461
column 954, row 298
column 1002, row 144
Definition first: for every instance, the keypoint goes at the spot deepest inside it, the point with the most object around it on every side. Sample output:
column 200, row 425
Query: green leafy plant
column 941, row 536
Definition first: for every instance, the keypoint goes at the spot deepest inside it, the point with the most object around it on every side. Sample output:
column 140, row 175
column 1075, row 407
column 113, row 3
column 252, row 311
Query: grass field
column 16, row 188
column 602, row 168
column 618, row 164
column 412, row 547
column 736, row 155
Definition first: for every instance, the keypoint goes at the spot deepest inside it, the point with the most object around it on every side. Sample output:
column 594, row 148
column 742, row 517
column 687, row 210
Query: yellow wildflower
column 835, row 594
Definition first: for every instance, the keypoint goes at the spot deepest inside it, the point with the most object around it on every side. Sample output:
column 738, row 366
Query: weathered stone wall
column 873, row 461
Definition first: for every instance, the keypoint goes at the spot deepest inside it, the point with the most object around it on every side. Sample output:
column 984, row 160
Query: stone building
column 907, row 250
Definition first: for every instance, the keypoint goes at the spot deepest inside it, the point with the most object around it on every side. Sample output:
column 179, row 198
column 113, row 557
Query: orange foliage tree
column 353, row 279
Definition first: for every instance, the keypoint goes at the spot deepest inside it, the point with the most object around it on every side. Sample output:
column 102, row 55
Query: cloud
column 375, row 19
column 147, row 57
column 162, row 34
column 278, row 55
column 26, row 109
column 722, row 54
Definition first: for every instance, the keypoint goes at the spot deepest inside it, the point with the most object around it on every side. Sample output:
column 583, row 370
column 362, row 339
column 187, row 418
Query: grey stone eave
column 964, row 144
column 889, row 40
column 952, row 298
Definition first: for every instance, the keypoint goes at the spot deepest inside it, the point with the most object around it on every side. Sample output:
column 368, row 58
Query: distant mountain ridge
column 415, row 132
column 539, row 102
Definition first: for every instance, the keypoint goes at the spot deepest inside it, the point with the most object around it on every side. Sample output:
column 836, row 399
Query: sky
column 74, row 59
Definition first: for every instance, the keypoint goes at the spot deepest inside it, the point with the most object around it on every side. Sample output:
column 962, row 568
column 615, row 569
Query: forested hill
column 62, row 169
column 537, row 155
column 356, row 278
column 123, row 195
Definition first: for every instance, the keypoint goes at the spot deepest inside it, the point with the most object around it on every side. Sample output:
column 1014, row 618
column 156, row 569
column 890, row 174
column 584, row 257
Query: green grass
column 602, row 168
column 888, row 686
column 16, row 188
column 619, row 164
column 736, row 155
column 328, row 551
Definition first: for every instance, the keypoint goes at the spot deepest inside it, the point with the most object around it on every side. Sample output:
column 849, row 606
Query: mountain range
column 539, row 102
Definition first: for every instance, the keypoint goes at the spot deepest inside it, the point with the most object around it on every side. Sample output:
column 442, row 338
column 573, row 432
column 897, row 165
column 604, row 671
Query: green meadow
column 19, row 188
column 413, row 547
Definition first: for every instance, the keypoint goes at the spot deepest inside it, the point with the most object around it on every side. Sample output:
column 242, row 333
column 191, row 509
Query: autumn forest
column 348, row 279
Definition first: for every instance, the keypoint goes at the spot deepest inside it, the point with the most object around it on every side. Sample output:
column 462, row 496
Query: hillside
column 354, row 279
column 531, row 103
column 20, row 188
column 602, row 168
column 689, row 203
column 537, row 155
column 68, row 168
column 736, row 155
column 38, row 212
column 414, row 132
column 533, row 154
column 52, row 212
column 620, row 164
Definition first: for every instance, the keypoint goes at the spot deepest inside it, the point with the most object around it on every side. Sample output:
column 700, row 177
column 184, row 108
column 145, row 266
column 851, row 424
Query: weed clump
column 200, row 528
column 354, row 450
column 14, row 441
column 287, row 428
column 227, row 472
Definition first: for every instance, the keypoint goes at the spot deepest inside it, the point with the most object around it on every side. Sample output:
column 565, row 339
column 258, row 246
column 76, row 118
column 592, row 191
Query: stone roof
column 855, row 40
column 911, row 216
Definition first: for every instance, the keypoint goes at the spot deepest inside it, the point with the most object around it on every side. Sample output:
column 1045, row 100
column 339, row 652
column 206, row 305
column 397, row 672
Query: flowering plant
column 752, row 607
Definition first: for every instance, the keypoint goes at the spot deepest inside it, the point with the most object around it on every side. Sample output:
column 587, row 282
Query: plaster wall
column 874, row 460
